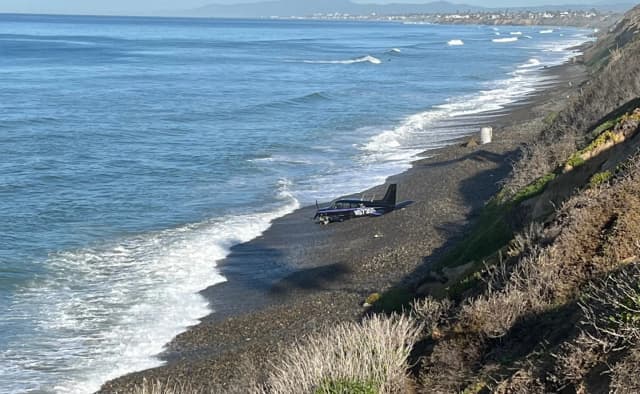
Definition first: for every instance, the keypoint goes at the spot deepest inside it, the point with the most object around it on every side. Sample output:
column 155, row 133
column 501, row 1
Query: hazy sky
column 154, row 6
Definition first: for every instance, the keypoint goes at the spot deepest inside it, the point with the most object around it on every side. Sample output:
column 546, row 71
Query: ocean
column 134, row 152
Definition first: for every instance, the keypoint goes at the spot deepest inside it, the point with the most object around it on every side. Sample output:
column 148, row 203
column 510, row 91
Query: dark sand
column 299, row 277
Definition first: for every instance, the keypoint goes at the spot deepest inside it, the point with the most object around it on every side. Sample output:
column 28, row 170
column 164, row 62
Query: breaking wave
column 453, row 43
column 508, row 39
column 533, row 62
column 123, row 301
column 363, row 59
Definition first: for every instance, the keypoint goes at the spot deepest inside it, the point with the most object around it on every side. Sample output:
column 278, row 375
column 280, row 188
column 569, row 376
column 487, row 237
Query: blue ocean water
column 134, row 152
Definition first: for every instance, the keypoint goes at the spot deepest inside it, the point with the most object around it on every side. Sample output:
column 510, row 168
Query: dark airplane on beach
column 342, row 210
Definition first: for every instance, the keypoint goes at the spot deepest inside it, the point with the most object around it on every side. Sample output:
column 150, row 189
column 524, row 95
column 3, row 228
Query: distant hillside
column 618, row 7
column 285, row 8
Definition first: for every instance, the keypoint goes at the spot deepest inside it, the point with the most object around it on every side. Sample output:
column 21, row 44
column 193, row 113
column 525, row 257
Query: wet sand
column 299, row 277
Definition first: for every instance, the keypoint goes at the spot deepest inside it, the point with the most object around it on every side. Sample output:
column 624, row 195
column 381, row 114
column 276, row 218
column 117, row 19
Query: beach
column 300, row 277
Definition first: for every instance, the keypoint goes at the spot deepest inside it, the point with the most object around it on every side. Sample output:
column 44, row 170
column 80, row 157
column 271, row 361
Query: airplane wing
column 403, row 204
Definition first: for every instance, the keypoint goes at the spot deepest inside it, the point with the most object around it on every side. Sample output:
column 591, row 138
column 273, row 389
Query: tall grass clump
column 529, row 289
column 166, row 387
column 612, row 309
column 625, row 375
column 370, row 357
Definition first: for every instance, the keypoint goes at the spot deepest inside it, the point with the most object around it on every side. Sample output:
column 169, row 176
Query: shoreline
column 298, row 277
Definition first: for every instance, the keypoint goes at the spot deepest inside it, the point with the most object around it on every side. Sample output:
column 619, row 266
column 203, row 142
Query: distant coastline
column 591, row 19
column 569, row 18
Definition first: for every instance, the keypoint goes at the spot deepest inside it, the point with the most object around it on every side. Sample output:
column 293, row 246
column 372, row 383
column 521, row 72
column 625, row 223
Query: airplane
column 342, row 210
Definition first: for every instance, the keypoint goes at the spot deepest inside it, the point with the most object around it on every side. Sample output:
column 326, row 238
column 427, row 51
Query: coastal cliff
column 532, row 288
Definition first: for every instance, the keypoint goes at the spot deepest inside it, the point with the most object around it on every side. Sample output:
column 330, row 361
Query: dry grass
column 183, row 386
column 452, row 365
column 526, row 240
column 576, row 359
column 529, row 289
column 375, row 351
column 538, row 159
column 521, row 382
column 612, row 309
column 607, row 90
column 625, row 375
column 167, row 387
column 432, row 313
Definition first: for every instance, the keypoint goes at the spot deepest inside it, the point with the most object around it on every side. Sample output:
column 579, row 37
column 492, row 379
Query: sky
column 137, row 7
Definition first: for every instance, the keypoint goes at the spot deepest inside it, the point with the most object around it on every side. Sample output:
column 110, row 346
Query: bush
column 534, row 188
column 612, row 308
column 431, row 312
column 452, row 365
column 529, row 289
column 167, row 387
column 625, row 375
column 347, row 386
column 369, row 355
column 600, row 178
column 576, row 359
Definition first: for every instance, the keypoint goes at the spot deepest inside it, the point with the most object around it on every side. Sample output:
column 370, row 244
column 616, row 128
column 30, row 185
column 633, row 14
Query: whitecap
column 533, row 62
column 363, row 59
column 516, row 33
column 452, row 43
column 549, row 31
column 508, row 39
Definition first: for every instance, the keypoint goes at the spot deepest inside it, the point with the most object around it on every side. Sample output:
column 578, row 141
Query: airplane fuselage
column 348, row 209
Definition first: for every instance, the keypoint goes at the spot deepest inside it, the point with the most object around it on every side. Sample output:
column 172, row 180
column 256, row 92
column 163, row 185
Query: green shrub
column 550, row 118
column 534, row 188
column 600, row 140
column 605, row 126
column 394, row 300
column 575, row 160
column 372, row 298
column 600, row 178
column 347, row 386
column 490, row 233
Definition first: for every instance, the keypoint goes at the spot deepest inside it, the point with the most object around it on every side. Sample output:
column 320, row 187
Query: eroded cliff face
column 558, row 308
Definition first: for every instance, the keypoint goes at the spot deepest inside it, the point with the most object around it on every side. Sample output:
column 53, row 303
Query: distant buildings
column 590, row 18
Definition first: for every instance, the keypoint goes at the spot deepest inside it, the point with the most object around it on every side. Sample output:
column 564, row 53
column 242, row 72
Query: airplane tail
column 390, row 196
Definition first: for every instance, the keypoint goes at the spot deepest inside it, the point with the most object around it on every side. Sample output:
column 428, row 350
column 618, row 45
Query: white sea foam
column 294, row 160
column 516, row 33
column 402, row 143
column 548, row 31
column 452, row 43
column 507, row 39
column 363, row 59
column 533, row 62
column 395, row 50
column 422, row 130
column 108, row 310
